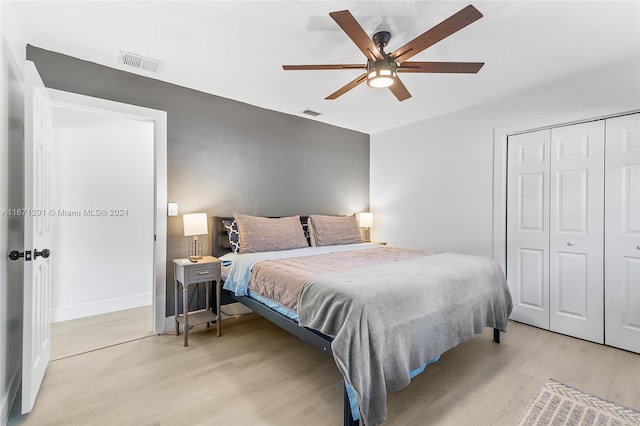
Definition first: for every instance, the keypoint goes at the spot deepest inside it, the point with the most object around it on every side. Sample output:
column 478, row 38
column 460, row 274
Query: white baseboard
column 10, row 397
column 64, row 313
column 231, row 310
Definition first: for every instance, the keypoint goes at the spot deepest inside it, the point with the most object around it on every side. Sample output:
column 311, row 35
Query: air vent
column 141, row 62
column 311, row 113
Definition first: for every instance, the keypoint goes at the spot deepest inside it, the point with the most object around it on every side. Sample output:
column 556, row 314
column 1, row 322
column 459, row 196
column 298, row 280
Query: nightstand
column 187, row 273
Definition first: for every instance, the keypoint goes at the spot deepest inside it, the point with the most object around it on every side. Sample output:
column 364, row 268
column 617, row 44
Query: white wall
column 432, row 182
column 101, row 263
column 12, row 56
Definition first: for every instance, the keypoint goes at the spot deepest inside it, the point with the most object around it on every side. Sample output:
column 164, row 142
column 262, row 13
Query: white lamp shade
column 195, row 224
column 365, row 219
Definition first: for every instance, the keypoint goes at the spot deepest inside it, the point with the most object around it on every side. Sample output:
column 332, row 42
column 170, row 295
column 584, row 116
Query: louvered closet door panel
column 577, row 231
column 622, row 229
column 528, row 227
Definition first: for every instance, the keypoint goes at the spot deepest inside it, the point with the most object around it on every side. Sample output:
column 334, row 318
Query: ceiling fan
column 382, row 68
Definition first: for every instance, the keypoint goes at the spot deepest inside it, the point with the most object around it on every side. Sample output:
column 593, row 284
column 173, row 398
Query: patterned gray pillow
column 332, row 230
column 258, row 234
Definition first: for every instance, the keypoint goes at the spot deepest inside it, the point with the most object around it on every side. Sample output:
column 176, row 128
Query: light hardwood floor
column 257, row 374
column 99, row 331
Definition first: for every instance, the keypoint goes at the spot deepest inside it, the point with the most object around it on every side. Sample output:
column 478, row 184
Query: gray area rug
column 561, row 405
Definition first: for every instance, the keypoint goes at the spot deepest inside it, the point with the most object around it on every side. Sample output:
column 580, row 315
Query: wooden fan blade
column 399, row 89
column 349, row 25
column 444, row 29
column 324, row 67
column 441, row 67
column 344, row 89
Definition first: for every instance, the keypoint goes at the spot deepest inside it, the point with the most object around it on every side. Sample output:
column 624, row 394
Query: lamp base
column 195, row 249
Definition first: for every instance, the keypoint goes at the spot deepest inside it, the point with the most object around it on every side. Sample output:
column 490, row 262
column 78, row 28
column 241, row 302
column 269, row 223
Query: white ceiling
column 235, row 49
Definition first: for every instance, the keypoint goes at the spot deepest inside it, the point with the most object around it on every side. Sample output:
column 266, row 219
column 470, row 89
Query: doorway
column 102, row 211
column 109, row 203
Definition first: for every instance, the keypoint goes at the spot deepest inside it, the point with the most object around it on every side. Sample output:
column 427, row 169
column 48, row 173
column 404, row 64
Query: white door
column 528, row 226
column 36, row 345
column 622, row 229
column 577, row 231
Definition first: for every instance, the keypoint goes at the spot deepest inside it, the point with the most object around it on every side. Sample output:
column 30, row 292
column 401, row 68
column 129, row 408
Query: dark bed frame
column 220, row 246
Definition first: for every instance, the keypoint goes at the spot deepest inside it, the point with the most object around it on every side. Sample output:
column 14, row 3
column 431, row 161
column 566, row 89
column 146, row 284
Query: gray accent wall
column 226, row 156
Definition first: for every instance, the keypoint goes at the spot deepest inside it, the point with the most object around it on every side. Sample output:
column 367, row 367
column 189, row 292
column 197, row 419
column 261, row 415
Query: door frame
column 62, row 99
column 11, row 336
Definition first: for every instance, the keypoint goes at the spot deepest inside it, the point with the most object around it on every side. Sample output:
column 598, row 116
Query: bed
column 383, row 313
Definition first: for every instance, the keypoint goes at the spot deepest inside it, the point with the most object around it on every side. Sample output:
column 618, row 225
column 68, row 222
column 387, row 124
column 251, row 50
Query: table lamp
column 365, row 221
column 195, row 224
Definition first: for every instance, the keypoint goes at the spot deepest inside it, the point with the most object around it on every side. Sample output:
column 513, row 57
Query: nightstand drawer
column 203, row 273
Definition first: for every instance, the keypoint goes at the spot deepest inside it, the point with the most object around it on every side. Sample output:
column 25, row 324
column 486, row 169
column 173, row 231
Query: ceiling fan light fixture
column 381, row 73
column 380, row 82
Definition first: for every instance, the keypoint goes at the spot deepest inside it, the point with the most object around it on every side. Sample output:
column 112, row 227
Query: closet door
column 622, row 227
column 577, row 231
column 528, row 226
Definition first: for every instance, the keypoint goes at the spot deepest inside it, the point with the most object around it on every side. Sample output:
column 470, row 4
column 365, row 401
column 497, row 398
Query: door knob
column 571, row 244
column 15, row 255
column 44, row 253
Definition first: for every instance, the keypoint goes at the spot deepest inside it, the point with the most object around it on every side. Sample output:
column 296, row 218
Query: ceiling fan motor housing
column 381, row 39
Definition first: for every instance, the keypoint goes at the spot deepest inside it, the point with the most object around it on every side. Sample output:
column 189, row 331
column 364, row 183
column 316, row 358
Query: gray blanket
column 389, row 319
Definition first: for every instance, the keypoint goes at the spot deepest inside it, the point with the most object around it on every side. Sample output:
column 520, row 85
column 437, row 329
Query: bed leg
column 496, row 335
column 348, row 419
